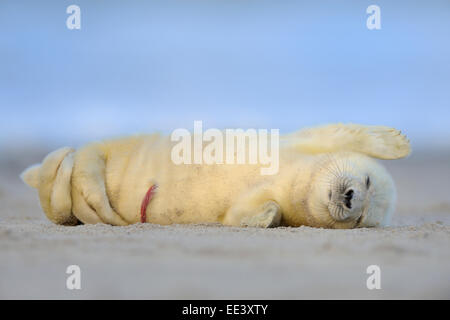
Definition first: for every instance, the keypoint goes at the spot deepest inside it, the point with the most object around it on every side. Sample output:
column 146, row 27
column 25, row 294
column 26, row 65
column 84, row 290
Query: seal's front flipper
column 375, row 141
column 256, row 208
column 269, row 217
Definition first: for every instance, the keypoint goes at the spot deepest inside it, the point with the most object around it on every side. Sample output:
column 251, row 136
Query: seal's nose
column 348, row 196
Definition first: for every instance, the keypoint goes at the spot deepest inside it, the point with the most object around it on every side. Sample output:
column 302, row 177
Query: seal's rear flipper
column 52, row 179
column 31, row 176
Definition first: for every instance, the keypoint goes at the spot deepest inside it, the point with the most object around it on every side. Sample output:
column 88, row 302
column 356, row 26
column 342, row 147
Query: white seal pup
column 327, row 178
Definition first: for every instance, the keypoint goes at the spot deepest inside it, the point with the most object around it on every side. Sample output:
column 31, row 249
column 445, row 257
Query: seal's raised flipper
column 375, row 141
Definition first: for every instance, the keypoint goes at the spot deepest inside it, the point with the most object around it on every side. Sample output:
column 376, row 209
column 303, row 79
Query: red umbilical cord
column 146, row 201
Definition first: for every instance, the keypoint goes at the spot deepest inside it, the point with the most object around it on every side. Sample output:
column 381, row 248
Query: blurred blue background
column 140, row 66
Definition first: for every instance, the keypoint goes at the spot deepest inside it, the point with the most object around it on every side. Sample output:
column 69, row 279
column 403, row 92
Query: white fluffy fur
column 105, row 182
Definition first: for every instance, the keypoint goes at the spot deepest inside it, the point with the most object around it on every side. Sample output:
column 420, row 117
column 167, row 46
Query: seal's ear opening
column 31, row 176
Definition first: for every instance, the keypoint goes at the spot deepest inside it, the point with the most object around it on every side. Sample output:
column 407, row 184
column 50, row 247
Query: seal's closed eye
column 368, row 182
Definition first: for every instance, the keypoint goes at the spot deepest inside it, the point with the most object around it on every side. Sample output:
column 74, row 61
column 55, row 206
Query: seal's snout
column 347, row 202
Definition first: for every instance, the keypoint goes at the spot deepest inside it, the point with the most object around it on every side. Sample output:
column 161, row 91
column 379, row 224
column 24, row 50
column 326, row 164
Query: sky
column 138, row 67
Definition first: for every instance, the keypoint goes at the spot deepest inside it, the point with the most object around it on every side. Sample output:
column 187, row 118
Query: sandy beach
column 215, row 262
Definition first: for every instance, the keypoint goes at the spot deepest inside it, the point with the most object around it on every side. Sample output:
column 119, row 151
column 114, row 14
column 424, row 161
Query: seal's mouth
column 351, row 219
column 359, row 220
column 347, row 204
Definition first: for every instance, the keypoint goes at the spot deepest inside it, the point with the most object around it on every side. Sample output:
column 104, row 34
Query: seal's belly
column 196, row 193
column 187, row 193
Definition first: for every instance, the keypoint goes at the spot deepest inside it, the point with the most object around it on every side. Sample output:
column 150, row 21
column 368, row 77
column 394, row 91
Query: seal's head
column 350, row 190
